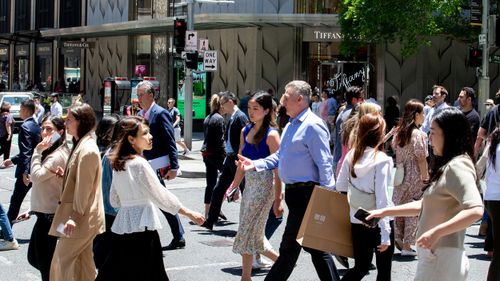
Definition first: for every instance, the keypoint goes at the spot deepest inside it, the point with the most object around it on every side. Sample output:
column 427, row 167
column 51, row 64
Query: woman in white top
column 492, row 201
column 450, row 204
column 367, row 170
column 49, row 155
column 136, row 253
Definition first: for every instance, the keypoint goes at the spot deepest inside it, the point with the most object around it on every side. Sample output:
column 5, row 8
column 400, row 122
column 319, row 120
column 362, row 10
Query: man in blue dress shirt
column 303, row 160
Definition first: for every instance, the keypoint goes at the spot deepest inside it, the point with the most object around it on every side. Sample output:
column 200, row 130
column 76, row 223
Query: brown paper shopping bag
column 326, row 225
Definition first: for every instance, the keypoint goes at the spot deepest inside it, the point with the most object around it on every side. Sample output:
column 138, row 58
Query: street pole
column 188, row 86
column 484, row 79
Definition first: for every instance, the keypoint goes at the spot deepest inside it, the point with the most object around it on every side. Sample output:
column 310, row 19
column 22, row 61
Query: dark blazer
column 29, row 137
column 239, row 121
column 160, row 125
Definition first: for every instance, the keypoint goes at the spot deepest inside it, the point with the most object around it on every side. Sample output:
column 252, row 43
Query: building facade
column 74, row 45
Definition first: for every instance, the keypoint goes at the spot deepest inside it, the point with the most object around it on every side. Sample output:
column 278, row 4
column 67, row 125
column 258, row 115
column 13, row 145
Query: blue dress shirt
column 304, row 154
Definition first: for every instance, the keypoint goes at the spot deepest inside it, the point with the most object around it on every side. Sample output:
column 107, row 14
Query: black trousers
column 365, row 241
column 223, row 182
column 42, row 245
column 17, row 198
column 493, row 208
column 5, row 147
column 297, row 199
column 213, row 165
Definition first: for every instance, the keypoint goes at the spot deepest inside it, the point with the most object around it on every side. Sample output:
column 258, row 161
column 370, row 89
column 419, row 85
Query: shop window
column 70, row 13
column 4, row 16
column 4, row 72
column 144, row 10
column 143, row 52
column 23, row 15
column 72, row 66
column 44, row 14
column 317, row 6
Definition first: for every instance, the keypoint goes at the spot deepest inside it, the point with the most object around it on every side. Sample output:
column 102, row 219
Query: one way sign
column 210, row 60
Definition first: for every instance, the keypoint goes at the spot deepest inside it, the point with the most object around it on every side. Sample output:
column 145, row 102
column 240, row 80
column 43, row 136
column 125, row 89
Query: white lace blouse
column 138, row 193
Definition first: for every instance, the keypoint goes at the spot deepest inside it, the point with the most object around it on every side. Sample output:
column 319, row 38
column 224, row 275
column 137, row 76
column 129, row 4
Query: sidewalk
column 191, row 164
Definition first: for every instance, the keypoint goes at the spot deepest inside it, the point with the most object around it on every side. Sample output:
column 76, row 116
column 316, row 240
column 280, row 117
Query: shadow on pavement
column 237, row 271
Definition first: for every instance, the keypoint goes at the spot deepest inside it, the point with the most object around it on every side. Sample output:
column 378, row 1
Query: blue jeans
column 5, row 225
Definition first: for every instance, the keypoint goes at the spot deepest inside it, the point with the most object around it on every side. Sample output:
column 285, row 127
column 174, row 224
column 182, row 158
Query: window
column 44, row 13
column 317, row 6
column 23, row 15
column 70, row 13
column 4, row 16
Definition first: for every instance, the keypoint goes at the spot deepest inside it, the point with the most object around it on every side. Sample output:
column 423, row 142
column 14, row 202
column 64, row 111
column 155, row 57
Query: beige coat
column 81, row 198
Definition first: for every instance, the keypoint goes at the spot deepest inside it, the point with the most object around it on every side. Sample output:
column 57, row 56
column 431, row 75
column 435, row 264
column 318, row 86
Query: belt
column 301, row 184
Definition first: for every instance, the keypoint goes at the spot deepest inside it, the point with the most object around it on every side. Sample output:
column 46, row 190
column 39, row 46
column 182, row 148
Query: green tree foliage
column 409, row 22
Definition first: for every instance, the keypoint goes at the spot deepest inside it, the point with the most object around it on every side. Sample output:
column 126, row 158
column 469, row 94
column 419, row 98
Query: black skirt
column 135, row 257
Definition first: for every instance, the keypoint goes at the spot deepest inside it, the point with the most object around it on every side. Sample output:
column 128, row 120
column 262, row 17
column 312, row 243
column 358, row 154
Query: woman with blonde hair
column 212, row 149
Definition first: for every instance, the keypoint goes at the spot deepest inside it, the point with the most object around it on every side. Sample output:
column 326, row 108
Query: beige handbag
column 399, row 176
column 358, row 198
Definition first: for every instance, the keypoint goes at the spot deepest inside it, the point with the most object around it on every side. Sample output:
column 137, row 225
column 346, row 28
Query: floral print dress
column 411, row 187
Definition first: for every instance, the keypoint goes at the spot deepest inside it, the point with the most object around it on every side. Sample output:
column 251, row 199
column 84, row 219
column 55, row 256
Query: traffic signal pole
column 484, row 79
column 188, row 86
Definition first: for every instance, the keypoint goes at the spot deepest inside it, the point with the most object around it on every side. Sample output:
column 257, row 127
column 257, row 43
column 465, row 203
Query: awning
column 22, row 37
column 202, row 22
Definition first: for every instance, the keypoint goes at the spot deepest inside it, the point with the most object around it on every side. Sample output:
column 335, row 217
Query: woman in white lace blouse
column 136, row 252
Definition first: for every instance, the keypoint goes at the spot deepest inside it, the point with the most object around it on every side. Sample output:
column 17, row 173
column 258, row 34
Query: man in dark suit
column 160, row 125
column 237, row 121
column 29, row 137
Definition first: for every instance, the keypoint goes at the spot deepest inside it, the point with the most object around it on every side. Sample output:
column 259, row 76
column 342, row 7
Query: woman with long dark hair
column 136, row 252
column 410, row 146
column 491, row 198
column 450, row 203
column 258, row 139
column 52, row 152
column 80, row 214
column 367, row 171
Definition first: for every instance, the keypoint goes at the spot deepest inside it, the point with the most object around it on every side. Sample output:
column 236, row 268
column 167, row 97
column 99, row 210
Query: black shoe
column 207, row 225
column 342, row 260
column 372, row 267
column 222, row 217
column 175, row 244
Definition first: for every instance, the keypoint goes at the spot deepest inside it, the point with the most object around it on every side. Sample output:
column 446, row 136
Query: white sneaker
column 9, row 245
column 259, row 263
column 408, row 253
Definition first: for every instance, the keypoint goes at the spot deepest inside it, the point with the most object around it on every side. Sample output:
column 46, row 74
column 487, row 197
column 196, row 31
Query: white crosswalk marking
column 202, row 265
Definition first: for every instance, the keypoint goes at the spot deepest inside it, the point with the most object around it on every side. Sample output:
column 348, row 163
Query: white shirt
column 138, row 193
column 56, row 109
column 146, row 114
column 492, row 177
column 370, row 166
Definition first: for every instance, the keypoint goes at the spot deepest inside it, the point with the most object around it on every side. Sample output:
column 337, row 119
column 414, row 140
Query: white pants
column 442, row 264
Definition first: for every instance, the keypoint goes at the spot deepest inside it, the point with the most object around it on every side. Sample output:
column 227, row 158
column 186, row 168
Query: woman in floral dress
column 258, row 139
column 410, row 145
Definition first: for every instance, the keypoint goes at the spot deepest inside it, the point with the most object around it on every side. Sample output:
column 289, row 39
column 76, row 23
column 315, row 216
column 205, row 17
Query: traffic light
column 179, row 35
column 475, row 57
column 192, row 60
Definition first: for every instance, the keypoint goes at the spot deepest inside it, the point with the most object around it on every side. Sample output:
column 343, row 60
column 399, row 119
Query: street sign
column 495, row 59
column 210, row 60
column 203, row 45
column 191, row 41
column 482, row 39
column 476, row 11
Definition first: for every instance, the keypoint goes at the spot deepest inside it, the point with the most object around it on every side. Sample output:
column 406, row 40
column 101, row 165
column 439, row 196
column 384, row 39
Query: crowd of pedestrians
column 98, row 198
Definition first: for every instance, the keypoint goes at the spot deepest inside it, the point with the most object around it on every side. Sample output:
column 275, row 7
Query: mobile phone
column 55, row 137
column 361, row 215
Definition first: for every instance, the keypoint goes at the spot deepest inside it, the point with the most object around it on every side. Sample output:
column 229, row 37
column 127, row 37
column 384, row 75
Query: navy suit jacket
column 239, row 121
column 29, row 137
column 160, row 125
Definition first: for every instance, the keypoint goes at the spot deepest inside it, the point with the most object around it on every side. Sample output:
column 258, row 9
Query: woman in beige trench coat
column 80, row 214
